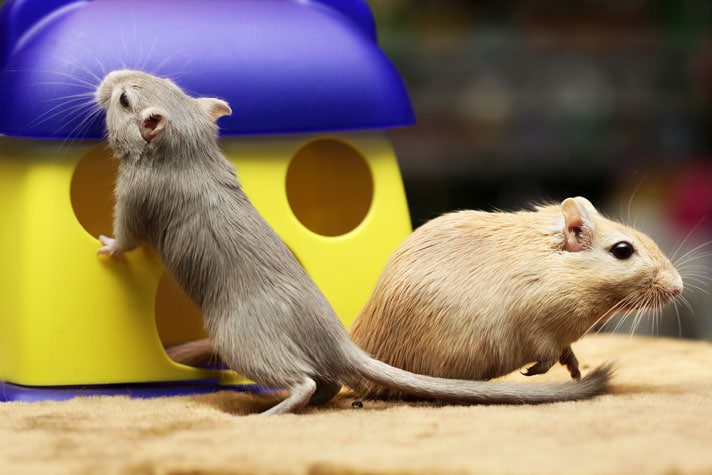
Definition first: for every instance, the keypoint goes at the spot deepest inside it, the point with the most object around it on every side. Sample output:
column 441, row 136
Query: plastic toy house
column 311, row 94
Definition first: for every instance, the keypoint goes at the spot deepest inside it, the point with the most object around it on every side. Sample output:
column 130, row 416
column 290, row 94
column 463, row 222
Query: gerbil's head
column 616, row 260
column 142, row 110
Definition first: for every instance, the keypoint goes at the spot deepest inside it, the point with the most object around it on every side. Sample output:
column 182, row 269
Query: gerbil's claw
column 540, row 367
column 109, row 246
column 569, row 360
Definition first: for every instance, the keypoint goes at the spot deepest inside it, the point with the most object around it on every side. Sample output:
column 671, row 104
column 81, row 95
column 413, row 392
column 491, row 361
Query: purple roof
column 283, row 65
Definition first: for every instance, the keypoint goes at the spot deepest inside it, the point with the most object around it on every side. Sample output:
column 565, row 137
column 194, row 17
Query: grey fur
column 268, row 320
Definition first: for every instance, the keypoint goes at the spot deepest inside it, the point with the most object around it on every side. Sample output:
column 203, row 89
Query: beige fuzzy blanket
column 657, row 419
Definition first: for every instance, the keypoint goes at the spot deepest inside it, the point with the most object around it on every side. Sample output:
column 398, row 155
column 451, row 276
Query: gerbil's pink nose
column 676, row 288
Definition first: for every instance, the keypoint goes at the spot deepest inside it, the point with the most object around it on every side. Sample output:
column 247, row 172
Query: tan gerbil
column 177, row 193
column 477, row 295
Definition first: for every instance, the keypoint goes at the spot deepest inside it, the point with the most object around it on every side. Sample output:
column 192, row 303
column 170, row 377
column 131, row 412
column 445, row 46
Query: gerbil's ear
column 153, row 120
column 216, row 108
column 578, row 226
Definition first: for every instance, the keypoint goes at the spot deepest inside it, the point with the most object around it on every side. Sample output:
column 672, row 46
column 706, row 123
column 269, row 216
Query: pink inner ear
column 151, row 127
column 220, row 109
column 576, row 240
column 577, row 235
column 572, row 218
column 151, row 123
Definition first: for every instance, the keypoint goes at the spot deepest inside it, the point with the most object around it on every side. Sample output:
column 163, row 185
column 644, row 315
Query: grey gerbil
column 476, row 295
column 268, row 320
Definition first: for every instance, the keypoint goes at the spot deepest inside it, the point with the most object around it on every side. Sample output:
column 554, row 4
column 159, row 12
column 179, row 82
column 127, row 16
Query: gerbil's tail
column 479, row 392
column 194, row 353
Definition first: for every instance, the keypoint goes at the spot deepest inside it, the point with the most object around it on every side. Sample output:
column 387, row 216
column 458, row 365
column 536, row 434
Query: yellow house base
column 69, row 317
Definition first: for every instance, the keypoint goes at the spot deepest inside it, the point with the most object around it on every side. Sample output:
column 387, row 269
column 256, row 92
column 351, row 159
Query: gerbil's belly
column 454, row 361
column 478, row 366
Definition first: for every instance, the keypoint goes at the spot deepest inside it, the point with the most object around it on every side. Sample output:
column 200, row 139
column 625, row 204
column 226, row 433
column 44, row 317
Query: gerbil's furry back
column 267, row 319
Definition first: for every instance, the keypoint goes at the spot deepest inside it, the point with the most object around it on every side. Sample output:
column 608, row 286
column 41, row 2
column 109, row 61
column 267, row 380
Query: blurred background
column 520, row 102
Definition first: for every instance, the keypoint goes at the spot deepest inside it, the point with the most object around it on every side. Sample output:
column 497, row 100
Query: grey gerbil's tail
column 480, row 392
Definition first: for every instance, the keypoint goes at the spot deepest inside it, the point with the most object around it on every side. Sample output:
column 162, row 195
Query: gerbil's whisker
column 637, row 320
column 635, row 315
column 659, row 315
column 93, row 110
column 603, row 319
column 651, row 314
column 633, row 195
column 624, row 212
column 692, row 265
column 678, row 247
column 622, row 317
column 696, row 277
column 654, row 317
column 692, row 254
column 677, row 316
column 149, row 53
column 78, row 81
column 695, row 270
column 686, row 303
column 157, row 69
column 75, row 82
column 56, row 111
column 82, row 95
column 697, row 287
column 125, row 47
column 96, row 58
column 76, row 110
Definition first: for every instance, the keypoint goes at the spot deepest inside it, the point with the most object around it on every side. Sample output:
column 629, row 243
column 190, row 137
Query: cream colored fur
column 476, row 295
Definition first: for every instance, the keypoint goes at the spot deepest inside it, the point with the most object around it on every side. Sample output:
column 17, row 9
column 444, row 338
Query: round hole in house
column 329, row 187
column 178, row 319
column 92, row 191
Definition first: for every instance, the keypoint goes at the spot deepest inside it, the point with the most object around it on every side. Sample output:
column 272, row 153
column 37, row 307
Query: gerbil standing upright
column 476, row 295
column 268, row 320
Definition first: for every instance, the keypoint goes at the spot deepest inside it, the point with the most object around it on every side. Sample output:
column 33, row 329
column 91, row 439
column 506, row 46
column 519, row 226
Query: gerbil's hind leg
column 325, row 392
column 568, row 359
column 299, row 396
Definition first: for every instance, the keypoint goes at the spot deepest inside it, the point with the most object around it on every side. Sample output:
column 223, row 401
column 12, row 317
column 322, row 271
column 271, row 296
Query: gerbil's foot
column 325, row 392
column 109, row 247
column 299, row 396
column 540, row 367
column 568, row 359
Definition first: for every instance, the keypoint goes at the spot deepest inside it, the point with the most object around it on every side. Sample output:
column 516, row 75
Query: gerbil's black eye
column 124, row 100
column 622, row 250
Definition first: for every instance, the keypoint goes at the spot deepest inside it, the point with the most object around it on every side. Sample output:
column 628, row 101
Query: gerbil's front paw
column 568, row 359
column 109, row 247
